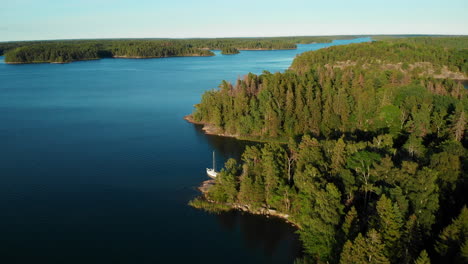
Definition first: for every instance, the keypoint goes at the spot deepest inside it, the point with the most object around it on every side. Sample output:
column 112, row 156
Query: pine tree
column 338, row 158
column 348, row 254
column 319, row 230
column 448, row 167
column 411, row 241
column 389, row 225
column 423, row 258
column 229, row 180
column 350, row 225
column 368, row 250
column 251, row 192
column 423, row 195
column 459, row 124
column 453, row 239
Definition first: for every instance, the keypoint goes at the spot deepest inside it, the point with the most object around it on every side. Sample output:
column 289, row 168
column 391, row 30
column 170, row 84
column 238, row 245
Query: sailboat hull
column 211, row 172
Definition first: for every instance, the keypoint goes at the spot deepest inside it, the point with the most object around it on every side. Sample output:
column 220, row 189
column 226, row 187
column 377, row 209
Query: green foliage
column 374, row 53
column 385, row 145
column 423, row 258
column 69, row 51
column 201, row 203
column 319, row 229
column 226, row 184
column 331, row 101
column 362, row 162
column 229, row 51
column 389, row 117
column 52, row 52
column 414, row 146
column 364, row 250
column 448, row 166
column 389, row 225
column 314, row 193
column 455, row 42
column 350, row 226
column 454, row 238
column 422, row 191
column 74, row 50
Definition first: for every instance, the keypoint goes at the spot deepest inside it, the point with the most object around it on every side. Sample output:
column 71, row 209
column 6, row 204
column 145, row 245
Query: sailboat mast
column 214, row 163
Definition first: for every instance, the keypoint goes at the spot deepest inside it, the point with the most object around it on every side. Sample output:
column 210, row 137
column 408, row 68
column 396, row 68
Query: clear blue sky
column 71, row 19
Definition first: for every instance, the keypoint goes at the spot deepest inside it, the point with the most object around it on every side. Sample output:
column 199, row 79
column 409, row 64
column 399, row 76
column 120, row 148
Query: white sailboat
column 212, row 172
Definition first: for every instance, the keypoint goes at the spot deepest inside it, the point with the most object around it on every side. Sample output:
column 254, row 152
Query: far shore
column 51, row 62
column 115, row 57
column 155, row 57
column 253, row 49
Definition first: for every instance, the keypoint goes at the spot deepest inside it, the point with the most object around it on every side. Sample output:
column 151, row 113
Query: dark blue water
column 97, row 164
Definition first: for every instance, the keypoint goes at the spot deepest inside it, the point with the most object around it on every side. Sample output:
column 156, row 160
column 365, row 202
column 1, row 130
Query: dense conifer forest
column 73, row 50
column 229, row 51
column 372, row 167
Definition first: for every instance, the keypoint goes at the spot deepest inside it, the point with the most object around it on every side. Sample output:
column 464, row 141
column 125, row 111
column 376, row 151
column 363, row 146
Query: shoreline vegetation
column 66, row 51
column 205, row 203
column 375, row 165
column 451, row 68
column 211, row 129
column 229, row 51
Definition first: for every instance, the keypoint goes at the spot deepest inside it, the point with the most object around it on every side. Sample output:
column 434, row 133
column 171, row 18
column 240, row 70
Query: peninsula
column 374, row 165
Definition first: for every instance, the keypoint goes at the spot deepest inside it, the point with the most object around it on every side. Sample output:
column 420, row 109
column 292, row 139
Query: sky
column 78, row 19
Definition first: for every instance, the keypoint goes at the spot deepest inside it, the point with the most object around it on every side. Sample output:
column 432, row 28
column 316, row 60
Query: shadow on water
column 465, row 83
column 225, row 147
column 102, row 170
column 258, row 232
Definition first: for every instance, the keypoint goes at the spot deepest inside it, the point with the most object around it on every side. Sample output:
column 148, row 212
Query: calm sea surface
column 97, row 164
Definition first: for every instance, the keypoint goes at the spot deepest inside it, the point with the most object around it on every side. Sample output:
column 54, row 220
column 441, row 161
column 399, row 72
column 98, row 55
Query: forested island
column 367, row 151
column 63, row 51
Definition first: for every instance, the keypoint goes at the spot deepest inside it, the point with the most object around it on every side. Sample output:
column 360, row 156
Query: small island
column 69, row 51
column 229, row 51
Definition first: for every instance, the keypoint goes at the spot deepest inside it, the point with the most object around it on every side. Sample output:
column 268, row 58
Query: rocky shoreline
column 206, row 185
column 210, row 129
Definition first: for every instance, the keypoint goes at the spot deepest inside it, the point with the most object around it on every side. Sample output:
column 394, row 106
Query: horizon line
column 259, row 37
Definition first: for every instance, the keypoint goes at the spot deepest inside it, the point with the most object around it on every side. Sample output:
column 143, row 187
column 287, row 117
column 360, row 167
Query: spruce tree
column 389, row 225
column 423, row 258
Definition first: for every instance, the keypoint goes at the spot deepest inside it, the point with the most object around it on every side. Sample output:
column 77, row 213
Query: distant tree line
column 73, row 50
column 52, row 53
column 374, row 169
column 404, row 51
column 68, row 52
column 229, row 50
column 452, row 42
